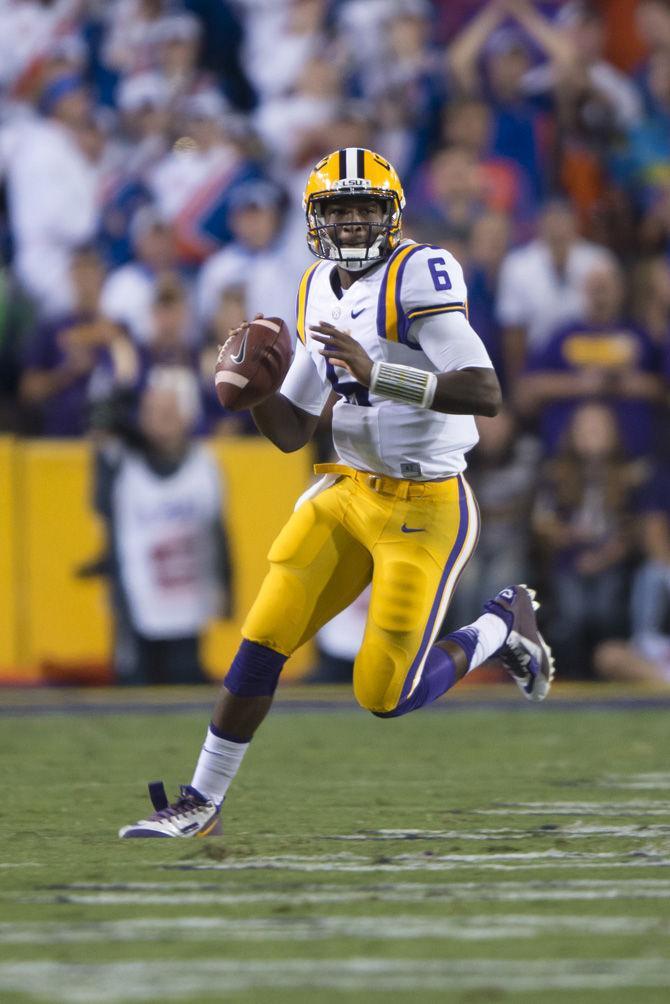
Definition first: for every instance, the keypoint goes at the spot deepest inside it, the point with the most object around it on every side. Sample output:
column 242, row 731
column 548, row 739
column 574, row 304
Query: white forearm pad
column 403, row 383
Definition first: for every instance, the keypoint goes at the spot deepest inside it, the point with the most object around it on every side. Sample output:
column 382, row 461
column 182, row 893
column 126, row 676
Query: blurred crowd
column 152, row 160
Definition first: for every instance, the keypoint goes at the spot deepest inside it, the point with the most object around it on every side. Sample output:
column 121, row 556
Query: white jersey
column 392, row 312
column 164, row 529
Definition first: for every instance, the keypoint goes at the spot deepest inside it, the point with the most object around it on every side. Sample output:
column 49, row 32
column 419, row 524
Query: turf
column 528, row 860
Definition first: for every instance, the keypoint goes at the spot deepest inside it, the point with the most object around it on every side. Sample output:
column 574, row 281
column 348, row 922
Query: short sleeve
column 421, row 281
column 451, row 343
column 425, row 306
column 303, row 385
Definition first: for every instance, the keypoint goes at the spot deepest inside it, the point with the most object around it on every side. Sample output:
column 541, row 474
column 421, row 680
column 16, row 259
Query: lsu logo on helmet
column 354, row 173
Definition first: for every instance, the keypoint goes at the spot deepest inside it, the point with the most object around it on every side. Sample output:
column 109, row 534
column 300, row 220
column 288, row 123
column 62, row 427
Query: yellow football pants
column 411, row 539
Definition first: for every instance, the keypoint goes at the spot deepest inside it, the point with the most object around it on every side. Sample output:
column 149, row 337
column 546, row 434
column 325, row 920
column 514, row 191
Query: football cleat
column 525, row 654
column 190, row 815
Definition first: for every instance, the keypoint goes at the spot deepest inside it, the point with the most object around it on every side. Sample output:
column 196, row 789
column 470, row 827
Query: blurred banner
column 55, row 626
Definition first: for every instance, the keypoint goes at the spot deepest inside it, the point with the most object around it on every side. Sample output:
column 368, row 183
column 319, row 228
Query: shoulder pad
column 420, row 280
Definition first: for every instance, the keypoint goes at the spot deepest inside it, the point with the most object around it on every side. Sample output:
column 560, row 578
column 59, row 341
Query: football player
column 383, row 321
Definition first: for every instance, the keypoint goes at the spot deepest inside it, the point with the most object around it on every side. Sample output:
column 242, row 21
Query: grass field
column 484, row 851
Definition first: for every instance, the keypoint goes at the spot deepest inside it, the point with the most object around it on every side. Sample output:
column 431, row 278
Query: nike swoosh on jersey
column 239, row 357
column 357, row 314
column 412, row 529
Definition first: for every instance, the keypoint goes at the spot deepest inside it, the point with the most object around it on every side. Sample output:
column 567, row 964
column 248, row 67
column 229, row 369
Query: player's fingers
column 329, row 329
column 340, row 362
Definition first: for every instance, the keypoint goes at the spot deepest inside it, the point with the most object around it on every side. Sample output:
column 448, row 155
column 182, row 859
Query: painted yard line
column 428, row 861
column 162, row 980
column 244, row 885
column 635, row 808
column 651, row 781
column 478, row 928
column 571, row 831
column 570, row 890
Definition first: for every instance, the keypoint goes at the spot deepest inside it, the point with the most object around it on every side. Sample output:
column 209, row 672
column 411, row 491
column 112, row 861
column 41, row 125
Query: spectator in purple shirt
column 584, row 521
column 76, row 359
column 599, row 357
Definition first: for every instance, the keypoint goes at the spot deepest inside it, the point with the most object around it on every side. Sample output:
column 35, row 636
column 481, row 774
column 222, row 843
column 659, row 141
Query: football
column 252, row 363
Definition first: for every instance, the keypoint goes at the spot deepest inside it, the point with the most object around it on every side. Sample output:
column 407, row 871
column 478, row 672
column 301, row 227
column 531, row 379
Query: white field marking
column 651, row 781
column 648, row 808
column 477, row 928
column 122, row 982
column 530, row 891
column 557, row 860
column 571, row 831
column 508, row 861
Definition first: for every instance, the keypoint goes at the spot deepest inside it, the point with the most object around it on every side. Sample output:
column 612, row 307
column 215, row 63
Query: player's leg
column 401, row 667
column 417, row 561
column 316, row 569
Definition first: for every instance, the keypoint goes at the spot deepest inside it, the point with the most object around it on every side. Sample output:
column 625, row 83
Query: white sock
column 491, row 635
column 217, row 765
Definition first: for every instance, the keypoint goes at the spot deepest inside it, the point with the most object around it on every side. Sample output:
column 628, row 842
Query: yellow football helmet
column 362, row 174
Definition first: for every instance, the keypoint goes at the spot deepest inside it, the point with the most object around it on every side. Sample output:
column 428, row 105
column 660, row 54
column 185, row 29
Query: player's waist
column 384, row 485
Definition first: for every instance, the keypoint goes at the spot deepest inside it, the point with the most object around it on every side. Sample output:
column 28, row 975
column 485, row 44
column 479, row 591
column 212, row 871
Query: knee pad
column 376, row 682
column 399, row 599
column 254, row 671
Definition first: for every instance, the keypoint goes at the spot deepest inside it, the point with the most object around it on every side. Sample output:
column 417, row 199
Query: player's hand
column 341, row 349
column 243, row 326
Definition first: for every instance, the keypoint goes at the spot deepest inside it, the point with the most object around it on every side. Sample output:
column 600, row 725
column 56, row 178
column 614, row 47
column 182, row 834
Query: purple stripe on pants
column 463, row 526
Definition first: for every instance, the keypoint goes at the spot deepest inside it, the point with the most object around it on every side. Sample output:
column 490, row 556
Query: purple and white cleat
column 191, row 815
column 525, row 654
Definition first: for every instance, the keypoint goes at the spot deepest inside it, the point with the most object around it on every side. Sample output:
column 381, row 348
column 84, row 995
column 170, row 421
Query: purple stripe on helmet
column 254, row 671
column 463, row 526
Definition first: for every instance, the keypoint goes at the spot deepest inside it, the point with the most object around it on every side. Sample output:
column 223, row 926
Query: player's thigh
column 413, row 581
column 316, row 569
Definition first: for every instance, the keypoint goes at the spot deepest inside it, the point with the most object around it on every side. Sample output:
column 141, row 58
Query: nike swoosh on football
column 239, row 357
column 412, row 529
column 357, row 314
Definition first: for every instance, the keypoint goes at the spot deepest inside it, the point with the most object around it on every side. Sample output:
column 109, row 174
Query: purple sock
column 439, row 675
column 466, row 638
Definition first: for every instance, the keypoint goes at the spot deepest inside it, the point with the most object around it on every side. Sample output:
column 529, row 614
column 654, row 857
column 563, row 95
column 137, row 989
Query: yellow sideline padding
column 9, row 612
column 47, row 529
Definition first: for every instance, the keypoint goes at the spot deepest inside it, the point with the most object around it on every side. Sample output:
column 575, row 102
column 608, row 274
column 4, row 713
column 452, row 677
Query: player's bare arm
column 288, row 427
column 471, row 391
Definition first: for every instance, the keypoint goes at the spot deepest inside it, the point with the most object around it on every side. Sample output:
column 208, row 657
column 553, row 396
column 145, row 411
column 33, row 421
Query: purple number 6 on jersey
column 440, row 276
